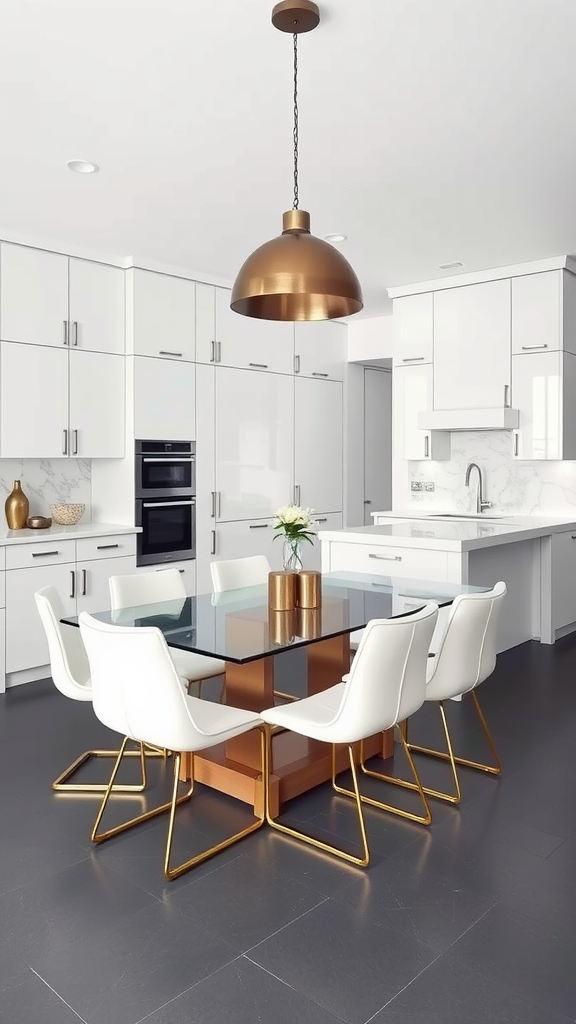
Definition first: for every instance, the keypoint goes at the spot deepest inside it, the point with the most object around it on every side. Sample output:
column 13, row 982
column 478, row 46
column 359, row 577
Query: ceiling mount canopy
column 296, row 276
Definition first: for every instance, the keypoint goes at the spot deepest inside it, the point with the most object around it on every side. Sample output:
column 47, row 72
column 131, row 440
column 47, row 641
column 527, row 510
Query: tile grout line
column 57, row 994
column 288, row 985
column 195, row 985
column 287, row 925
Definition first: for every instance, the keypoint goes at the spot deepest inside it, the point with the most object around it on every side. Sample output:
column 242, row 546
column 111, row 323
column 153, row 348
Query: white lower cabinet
column 563, row 578
column 26, row 645
column 379, row 560
column 93, row 581
column 312, row 553
column 543, row 386
column 238, row 540
column 318, row 444
column 186, row 568
column 164, row 399
column 412, row 391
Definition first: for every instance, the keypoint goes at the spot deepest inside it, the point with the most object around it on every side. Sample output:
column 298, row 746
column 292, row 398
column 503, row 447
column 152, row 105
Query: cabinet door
column 413, row 329
column 320, row 349
column 97, row 318
column 26, row 645
column 563, row 579
column 34, row 402
column 536, row 312
column 542, row 388
column 254, row 443
column 164, row 316
column 164, row 399
column 96, row 405
column 246, row 342
column 205, row 474
column 312, row 554
column 205, row 323
column 186, row 568
column 33, row 295
column 412, row 394
column 472, row 346
column 318, row 445
column 253, row 537
column 92, row 581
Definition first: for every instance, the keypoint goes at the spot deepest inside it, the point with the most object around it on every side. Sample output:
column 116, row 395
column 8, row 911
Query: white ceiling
column 431, row 130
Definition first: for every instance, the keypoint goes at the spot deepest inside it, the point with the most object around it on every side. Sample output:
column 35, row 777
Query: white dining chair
column 138, row 693
column 165, row 585
column 466, row 656
column 234, row 573
column 71, row 676
column 386, row 684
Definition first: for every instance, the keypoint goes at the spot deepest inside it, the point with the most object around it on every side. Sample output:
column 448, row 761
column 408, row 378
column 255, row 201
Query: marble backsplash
column 548, row 488
column 48, row 481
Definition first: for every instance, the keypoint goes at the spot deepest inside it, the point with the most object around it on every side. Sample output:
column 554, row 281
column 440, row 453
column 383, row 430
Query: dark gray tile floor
column 468, row 922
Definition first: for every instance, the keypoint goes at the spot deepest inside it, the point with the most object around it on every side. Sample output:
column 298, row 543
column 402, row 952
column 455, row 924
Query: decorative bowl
column 38, row 522
column 67, row 514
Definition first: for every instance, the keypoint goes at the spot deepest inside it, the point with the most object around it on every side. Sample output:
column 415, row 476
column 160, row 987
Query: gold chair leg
column 362, row 861
column 452, row 798
column 422, row 819
column 61, row 784
column 224, row 843
column 100, row 838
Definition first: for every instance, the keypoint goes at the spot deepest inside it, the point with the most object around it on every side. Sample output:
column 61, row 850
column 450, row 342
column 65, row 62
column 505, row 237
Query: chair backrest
column 387, row 681
column 146, row 588
column 135, row 687
column 467, row 653
column 68, row 661
column 239, row 572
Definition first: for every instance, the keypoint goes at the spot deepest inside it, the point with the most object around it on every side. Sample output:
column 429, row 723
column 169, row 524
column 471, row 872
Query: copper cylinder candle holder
column 309, row 589
column 308, row 623
column 281, row 626
column 281, row 591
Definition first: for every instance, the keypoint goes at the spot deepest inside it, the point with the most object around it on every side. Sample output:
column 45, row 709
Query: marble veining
column 48, row 481
column 530, row 488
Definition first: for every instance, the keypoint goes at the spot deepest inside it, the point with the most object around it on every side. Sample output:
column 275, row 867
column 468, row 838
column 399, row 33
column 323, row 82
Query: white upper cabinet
column 412, row 394
column 413, row 327
column 97, row 318
column 543, row 389
column 254, row 449
column 544, row 312
column 318, row 445
column 33, row 296
column 96, row 405
column 163, row 310
column 164, row 399
column 34, row 402
column 320, row 349
column 230, row 339
column 472, row 346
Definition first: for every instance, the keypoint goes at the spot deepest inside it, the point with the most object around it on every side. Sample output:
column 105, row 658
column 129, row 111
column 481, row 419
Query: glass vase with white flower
column 296, row 526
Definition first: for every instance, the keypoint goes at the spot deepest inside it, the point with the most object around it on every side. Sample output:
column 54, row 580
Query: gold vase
column 17, row 508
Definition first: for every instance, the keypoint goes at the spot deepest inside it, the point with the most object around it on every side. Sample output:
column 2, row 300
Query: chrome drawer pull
column 44, row 554
column 167, row 504
column 314, row 374
column 177, row 355
column 529, row 348
column 413, row 359
column 259, row 526
column 387, row 558
column 105, row 547
column 259, row 366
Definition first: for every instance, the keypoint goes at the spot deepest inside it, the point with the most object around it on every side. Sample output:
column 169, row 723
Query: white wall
column 48, row 482
column 370, row 340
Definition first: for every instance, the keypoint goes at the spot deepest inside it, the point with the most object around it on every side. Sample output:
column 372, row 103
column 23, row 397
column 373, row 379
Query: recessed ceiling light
column 335, row 238
column 451, row 266
column 82, row 166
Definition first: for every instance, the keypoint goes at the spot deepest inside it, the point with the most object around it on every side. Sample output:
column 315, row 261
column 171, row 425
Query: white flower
column 294, row 518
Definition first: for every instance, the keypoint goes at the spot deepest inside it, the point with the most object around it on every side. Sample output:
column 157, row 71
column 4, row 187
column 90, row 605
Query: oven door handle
column 169, row 458
column 166, row 504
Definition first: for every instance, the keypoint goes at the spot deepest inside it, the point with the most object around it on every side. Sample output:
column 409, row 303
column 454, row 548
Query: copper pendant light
column 296, row 276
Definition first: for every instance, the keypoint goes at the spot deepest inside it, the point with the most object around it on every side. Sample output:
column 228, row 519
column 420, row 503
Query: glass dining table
column 239, row 628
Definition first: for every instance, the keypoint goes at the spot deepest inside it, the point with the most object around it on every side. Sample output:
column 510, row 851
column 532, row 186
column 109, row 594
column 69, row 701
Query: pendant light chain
column 295, row 202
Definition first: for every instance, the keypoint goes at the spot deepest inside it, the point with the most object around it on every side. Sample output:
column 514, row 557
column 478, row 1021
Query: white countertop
column 419, row 531
column 9, row 537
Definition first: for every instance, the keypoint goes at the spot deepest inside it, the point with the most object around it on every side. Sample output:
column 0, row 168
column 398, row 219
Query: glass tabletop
column 238, row 626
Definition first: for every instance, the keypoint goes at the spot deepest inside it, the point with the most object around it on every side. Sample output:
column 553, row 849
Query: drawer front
column 52, row 552
column 114, row 546
column 389, row 561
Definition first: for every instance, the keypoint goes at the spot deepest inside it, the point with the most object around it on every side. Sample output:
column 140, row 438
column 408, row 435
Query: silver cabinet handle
column 106, row 547
column 75, row 332
column 314, row 374
column 296, row 364
column 367, row 501
column 64, row 442
column 297, row 494
column 74, row 442
column 218, row 351
column 212, row 351
column 413, row 359
column 166, row 568
column 213, row 542
column 574, row 536
column 213, row 505
column 386, row 558
column 72, row 583
column 218, row 503
column 259, row 526
column 529, row 348
column 177, row 355
column 506, row 396
column 167, row 504
column 323, row 520
column 65, row 326
column 515, row 443
column 44, row 554
column 259, row 366
column 170, row 458
column 84, row 582
column 427, row 446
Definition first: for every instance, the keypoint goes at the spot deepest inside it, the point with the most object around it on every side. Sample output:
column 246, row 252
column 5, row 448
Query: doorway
column 377, row 441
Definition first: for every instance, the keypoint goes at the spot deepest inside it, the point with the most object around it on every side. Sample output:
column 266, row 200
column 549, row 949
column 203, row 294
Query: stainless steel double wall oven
column 165, row 501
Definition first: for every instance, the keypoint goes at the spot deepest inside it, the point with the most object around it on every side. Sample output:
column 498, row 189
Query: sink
column 465, row 515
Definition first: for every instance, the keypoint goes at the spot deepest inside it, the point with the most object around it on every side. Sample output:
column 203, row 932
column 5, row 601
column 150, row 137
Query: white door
column 320, row 349
column 92, row 581
column 412, row 387
column 413, row 329
column 33, row 295
column 164, row 316
column 472, row 344
column 377, row 442
column 164, row 399
column 97, row 318
column 34, row 402
column 246, row 342
column 318, row 445
column 537, row 393
column 254, row 442
column 96, row 405
column 26, row 645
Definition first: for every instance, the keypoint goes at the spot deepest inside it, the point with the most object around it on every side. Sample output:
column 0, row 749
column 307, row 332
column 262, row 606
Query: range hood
column 469, row 419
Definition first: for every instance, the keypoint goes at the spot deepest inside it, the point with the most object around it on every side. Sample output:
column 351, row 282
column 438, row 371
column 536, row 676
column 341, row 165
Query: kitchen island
column 534, row 555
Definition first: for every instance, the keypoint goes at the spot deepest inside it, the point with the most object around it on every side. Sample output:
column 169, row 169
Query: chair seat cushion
column 195, row 666
column 311, row 716
column 219, row 722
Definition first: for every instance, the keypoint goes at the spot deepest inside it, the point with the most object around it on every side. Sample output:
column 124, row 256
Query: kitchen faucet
column 480, row 503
